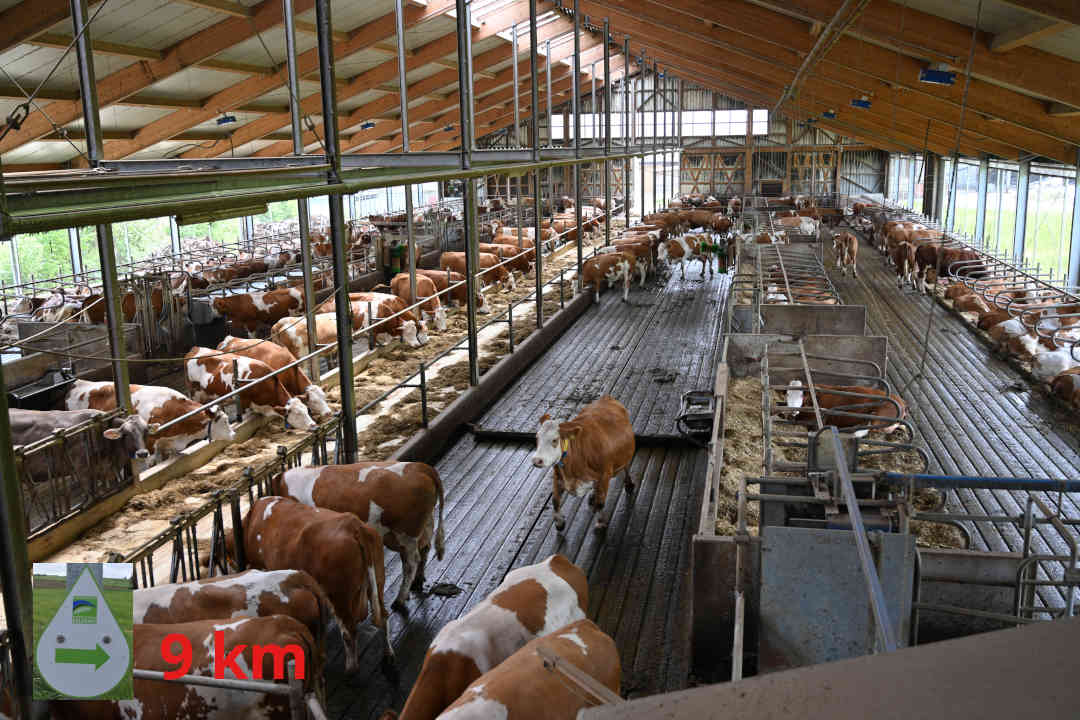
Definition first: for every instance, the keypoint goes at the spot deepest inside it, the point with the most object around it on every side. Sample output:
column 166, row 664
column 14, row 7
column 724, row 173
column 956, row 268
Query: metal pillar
column 1074, row 247
column 607, row 132
column 403, row 94
column 677, row 181
column 576, row 106
column 656, row 134
column 469, row 64
column 641, row 125
column 534, row 100
column 592, row 105
column 665, row 143
column 94, row 149
column 465, row 89
column 15, row 567
column 16, row 271
column 74, row 251
column 627, row 119
column 517, row 84
column 342, row 307
column 980, row 211
column 1022, row 185
column 464, row 31
column 551, row 136
column 301, row 205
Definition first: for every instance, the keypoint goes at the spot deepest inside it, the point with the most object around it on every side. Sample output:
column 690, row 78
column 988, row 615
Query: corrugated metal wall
column 862, row 171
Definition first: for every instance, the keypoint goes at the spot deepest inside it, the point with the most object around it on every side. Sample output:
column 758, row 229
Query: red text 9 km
column 182, row 659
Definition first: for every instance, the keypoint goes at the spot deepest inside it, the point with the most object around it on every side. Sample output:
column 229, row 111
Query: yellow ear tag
column 565, row 444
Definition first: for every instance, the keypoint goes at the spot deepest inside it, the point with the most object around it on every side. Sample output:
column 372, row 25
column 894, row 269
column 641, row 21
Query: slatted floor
column 973, row 412
column 498, row 511
column 646, row 353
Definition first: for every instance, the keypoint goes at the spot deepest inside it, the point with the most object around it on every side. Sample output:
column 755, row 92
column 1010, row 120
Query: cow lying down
column 847, row 406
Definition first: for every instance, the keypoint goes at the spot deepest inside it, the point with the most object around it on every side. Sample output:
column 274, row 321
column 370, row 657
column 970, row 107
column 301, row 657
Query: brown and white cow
column 397, row 499
column 1066, row 387
column 250, row 640
column 252, row 593
column 846, row 247
column 459, row 295
column 156, row 405
column 904, row 258
column 292, row 333
column 342, row 553
column 211, row 374
column 610, row 268
column 432, row 311
column 489, row 272
column 522, row 686
column 276, row 356
column 121, row 440
column 397, row 321
column 832, row 401
column 586, row 453
column 530, row 602
column 257, row 309
column 734, row 206
column 684, row 249
column 519, row 259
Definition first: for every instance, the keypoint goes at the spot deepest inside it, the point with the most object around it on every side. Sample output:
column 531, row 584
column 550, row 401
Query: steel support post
column 464, row 31
column 534, row 102
column 302, row 204
column 655, row 134
column 174, row 237
column 517, row 84
column 607, row 131
column 465, row 89
column 469, row 64
column 15, row 567
column 592, row 104
column 403, row 94
column 1023, row 183
column 75, row 251
column 576, row 107
column 627, row 126
column 641, row 126
column 471, row 263
column 1074, row 247
column 980, row 208
column 550, row 115
column 94, row 148
column 324, row 28
column 663, row 141
column 16, row 271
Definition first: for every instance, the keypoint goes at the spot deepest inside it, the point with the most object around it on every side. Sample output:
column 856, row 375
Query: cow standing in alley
column 213, row 373
column 586, row 453
column 531, row 602
column 276, row 357
column 610, row 268
column 523, row 685
column 846, row 247
column 343, row 554
column 156, row 406
column 397, row 499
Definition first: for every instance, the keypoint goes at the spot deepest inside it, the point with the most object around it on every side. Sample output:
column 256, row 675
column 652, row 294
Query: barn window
column 1000, row 225
column 1049, row 217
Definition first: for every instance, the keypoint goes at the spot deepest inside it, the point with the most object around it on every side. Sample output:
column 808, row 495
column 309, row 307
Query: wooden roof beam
column 128, row 81
column 1056, row 10
column 1061, row 110
column 937, row 39
column 388, row 71
column 753, row 33
column 21, row 22
column 252, row 88
column 1026, row 34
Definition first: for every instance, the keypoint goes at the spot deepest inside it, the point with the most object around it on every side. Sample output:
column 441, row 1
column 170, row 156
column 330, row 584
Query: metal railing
column 68, row 472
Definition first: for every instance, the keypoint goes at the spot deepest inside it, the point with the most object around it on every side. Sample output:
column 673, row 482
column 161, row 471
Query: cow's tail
column 440, row 537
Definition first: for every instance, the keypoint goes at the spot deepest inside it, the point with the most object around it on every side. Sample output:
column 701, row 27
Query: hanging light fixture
column 861, row 102
column 829, row 114
column 226, row 119
column 937, row 74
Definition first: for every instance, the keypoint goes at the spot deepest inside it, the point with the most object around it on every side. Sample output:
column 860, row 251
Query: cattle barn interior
column 531, row 359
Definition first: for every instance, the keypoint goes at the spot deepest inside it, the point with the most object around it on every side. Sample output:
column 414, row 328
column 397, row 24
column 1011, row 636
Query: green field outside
column 1045, row 243
column 47, row 600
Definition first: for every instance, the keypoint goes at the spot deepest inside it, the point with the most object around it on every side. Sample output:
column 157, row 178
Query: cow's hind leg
column 410, row 565
column 627, row 482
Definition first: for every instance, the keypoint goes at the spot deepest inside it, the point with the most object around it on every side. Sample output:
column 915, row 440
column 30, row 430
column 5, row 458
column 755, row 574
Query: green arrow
column 75, row 656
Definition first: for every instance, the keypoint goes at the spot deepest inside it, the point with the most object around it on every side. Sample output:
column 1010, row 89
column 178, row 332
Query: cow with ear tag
column 586, row 453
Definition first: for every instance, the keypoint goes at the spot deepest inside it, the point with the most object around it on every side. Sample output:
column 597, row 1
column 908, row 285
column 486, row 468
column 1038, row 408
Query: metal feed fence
column 68, row 472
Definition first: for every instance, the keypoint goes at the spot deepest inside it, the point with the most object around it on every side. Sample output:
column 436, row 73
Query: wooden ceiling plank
column 63, row 41
column 21, row 22
column 127, row 81
column 1057, row 10
column 227, row 7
